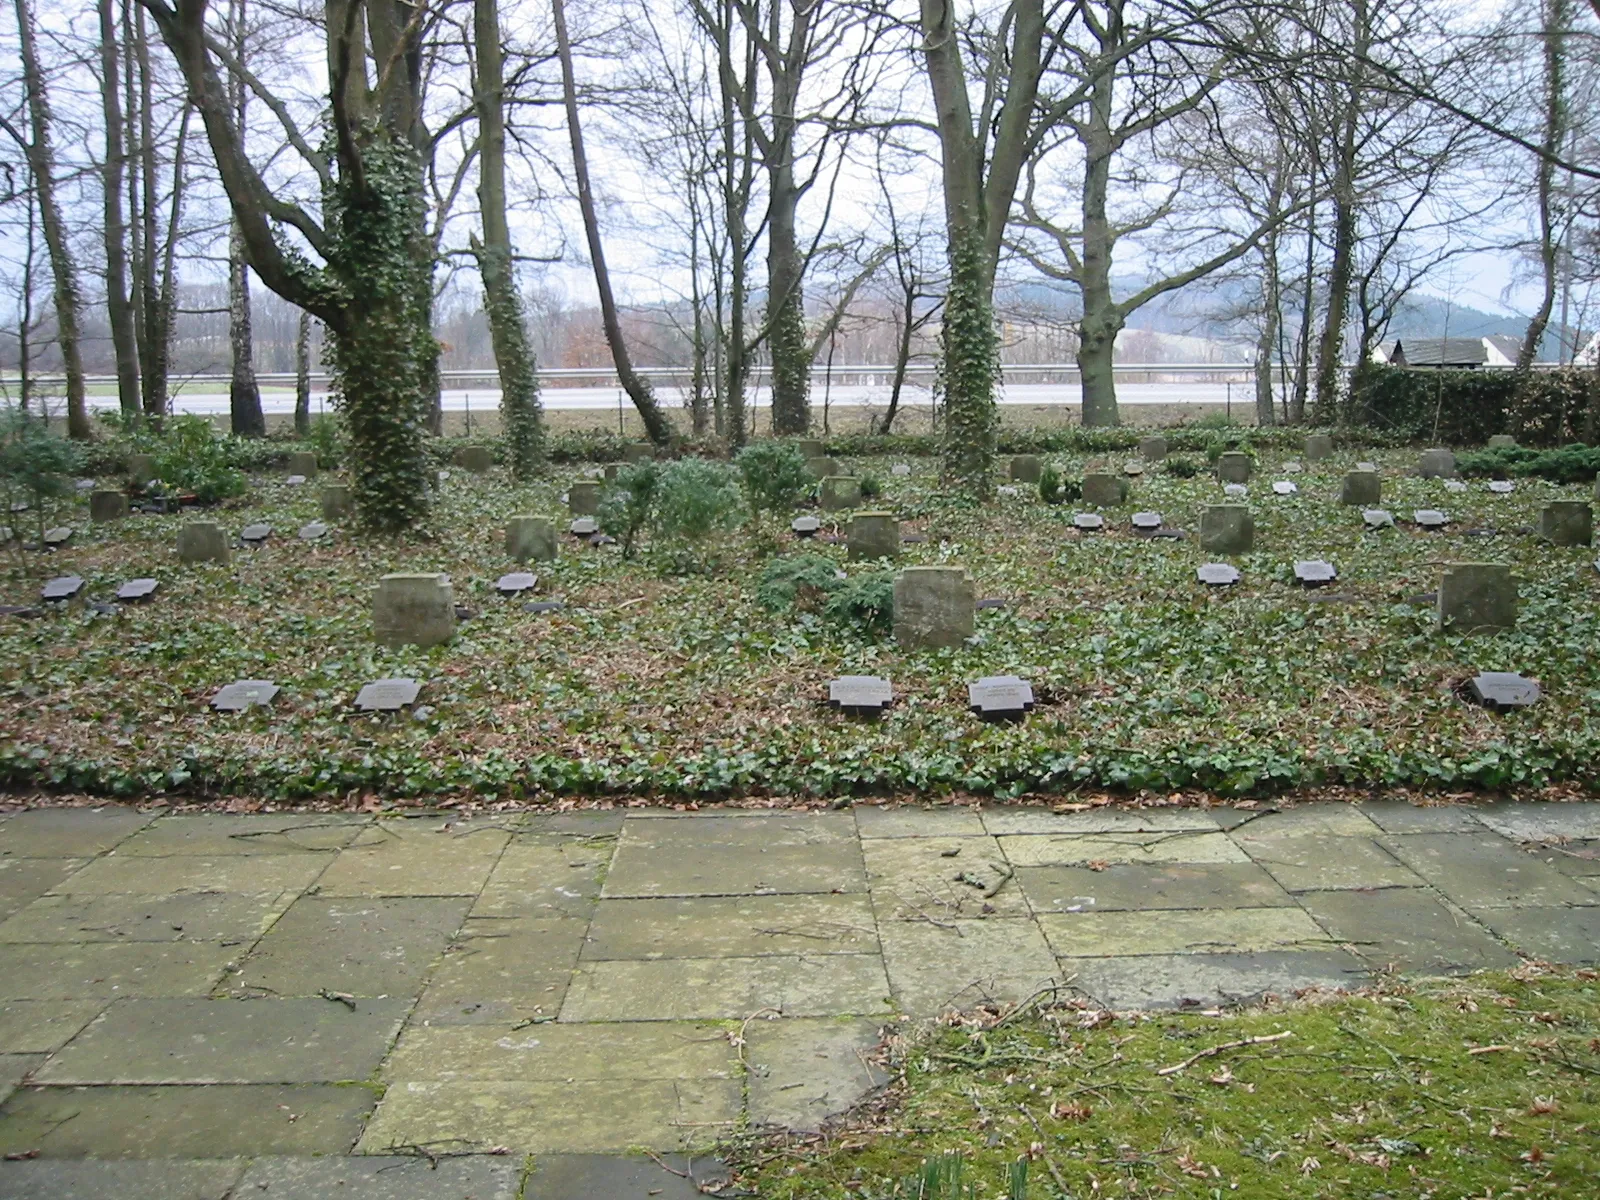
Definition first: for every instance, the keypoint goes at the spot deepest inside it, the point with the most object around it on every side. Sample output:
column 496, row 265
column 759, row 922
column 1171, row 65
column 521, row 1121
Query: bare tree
column 244, row 396
column 119, row 305
column 1556, row 21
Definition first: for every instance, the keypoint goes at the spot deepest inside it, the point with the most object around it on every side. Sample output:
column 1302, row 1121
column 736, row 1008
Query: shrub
column 1056, row 488
column 871, row 486
column 327, row 440
column 774, row 475
column 1570, row 464
column 864, row 600
column 35, row 465
column 1544, row 408
column 695, row 498
column 1180, row 468
column 798, row 581
column 190, row 457
column 628, row 504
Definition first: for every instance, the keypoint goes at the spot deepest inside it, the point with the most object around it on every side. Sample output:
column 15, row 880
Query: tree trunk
column 302, row 376
column 521, row 417
column 1308, row 305
column 902, row 359
column 244, row 396
column 64, row 269
column 637, row 387
column 1102, row 319
column 787, row 343
column 119, row 308
column 1557, row 18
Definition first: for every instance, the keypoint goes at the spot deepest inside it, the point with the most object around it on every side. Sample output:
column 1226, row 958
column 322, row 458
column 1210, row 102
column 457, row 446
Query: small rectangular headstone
column 388, row 695
column 59, row 536
column 295, row 480
column 1314, row 572
column 1088, row 521
column 543, row 606
column 1454, row 485
column 1366, row 466
column 1503, row 690
column 990, row 603
column 900, row 469
column 913, row 539
column 259, row 532
column 1000, row 697
column 1430, row 518
column 1284, row 487
column 62, row 587
column 1377, row 518
column 584, row 527
column 137, row 589
column 516, row 583
column 314, row 531
column 243, row 694
column 1235, row 490
column 1218, row 574
column 860, row 695
column 1147, row 522
column 805, row 526
column 1502, row 487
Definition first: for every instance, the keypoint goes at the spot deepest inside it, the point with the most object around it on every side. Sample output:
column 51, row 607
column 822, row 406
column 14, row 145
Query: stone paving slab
column 1407, row 929
column 545, row 878
column 579, row 1176
column 1558, row 934
column 731, row 856
column 963, row 963
column 416, row 858
column 210, row 834
column 687, row 989
column 502, row 970
column 251, row 874
column 804, row 1071
column 1181, row 931
column 1303, row 863
column 43, row 1026
column 731, row 927
column 1135, row 886
column 550, row 1053
column 1003, row 821
column 1041, row 850
column 116, row 917
column 111, row 970
column 67, row 832
column 941, row 878
column 1208, row 980
column 1486, row 871
column 14, row 1068
column 24, row 880
column 94, row 1179
column 376, row 1177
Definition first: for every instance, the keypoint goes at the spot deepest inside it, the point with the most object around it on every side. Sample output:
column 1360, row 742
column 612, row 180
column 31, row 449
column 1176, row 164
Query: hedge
column 1465, row 408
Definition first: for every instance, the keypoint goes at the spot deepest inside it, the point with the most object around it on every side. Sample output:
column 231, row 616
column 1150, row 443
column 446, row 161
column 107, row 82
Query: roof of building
column 1441, row 352
column 1509, row 344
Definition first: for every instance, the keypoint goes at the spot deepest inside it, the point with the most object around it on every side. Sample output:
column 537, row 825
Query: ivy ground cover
column 655, row 683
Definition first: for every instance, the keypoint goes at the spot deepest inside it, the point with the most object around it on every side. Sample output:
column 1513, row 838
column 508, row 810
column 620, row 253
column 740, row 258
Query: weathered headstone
column 1500, row 441
column 1502, row 487
column 1430, row 518
column 1233, row 466
column 610, row 471
column 137, row 589
column 476, row 459
column 933, row 606
column 84, row 485
column 1314, row 572
column 530, row 539
column 1437, row 464
column 1103, row 490
column 1152, row 448
column 584, row 527
column 106, row 505
column 336, row 501
column 900, row 470
column 583, row 498
column 388, row 695
column 1217, row 574
column 62, row 587
column 638, row 452
column 805, row 526
column 1378, row 518
column 1567, row 523
column 1361, row 487
column 1318, row 447
column 1477, row 598
column 1227, row 529
column 313, row 531
column 303, row 462
column 1284, row 487
column 516, row 582
column 811, row 448
column 410, row 609
column 1503, row 690
column 1000, row 698
column 1088, row 522
column 254, row 535
column 1025, row 468
column 141, row 468
column 55, row 538
column 821, row 466
column 839, row 492
column 243, row 694
column 860, row 695
column 874, row 535
column 203, row 541
column 1146, row 522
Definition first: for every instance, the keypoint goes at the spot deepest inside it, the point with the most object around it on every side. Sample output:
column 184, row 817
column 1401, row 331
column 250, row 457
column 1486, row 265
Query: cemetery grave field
column 666, row 675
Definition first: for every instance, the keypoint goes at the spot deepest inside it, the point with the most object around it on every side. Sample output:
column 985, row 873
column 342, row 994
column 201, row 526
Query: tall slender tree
column 119, row 305
column 244, row 395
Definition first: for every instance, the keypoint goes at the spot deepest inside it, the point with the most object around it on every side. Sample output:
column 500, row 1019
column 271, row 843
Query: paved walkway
column 221, row 998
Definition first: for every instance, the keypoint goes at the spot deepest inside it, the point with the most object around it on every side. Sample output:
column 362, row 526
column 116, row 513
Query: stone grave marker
column 336, row 500
column 295, row 480
column 874, row 535
column 1152, row 448
column 1005, row 489
column 1025, row 468
column 18, row 610
column 1227, row 529
column 1318, row 447
column 1233, row 466
column 1218, row 574
column 860, row 695
column 584, row 527
column 1366, row 466
column 1502, row 487
column 1284, row 487
column 20, row 506
column 638, row 452
column 1088, row 522
column 516, row 583
column 601, row 539
column 476, row 459
column 805, row 526
column 1000, row 698
column 203, row 541
column 1292, row 468
column 313, row 531
column 413, row 609
column 583, row 498
column 993, row 602
column 1361, row 487
column 821, row 466
column 1103, row 490
column 1567, row 523
column 388, row 695
column 1436, row 464
column 913, row 539
column 304, row 464
column 1430, row 518
column 840, row 492
column 62, row 587
column 1503, row 690
column 810, row 448
column 1146, row 522
column 1377, row 518
column 900, row 469
column 543, row 606
column 1501, row 440
column 254, row 535
column 137, row 589
column 1133, row 468
column 530, row 539
column 1477, row 598
column 933, row 606
column 243, row 694
column 106, row 505
column 1314, row 572
column 55, row 538
column 610, row 472
column 85, row 485
column 141, row 468
column 1235, row 490
column 1454, row 485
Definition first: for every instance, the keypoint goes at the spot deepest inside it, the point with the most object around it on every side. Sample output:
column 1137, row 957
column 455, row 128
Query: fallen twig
column 344, row 998
column 1214, row 1050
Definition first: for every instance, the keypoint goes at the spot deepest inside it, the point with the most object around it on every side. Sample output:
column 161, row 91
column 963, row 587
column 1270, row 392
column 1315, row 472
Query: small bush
column 628, row 504
column 1056, row 488
column 191, row 458
column 865, row 600
column 327, row 441
column 799, row 581
column 774, row 475
column 1180, row 468
column 696, row 498
column 1570, row 464
column 35, row 465
column 871, row 486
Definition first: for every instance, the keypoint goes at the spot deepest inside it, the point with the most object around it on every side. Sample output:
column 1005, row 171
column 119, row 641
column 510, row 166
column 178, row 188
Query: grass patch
column 1372, row 1095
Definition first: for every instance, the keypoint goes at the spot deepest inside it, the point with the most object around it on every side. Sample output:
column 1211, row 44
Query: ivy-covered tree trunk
column 969, row 368
column 786, row 323
column 302, row 376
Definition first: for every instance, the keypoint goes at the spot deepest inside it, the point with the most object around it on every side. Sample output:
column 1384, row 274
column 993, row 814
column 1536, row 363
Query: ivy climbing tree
column 373, row 289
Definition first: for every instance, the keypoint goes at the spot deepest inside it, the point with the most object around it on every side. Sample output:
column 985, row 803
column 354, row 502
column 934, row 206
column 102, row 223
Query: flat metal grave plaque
column 1088, row 521
column 243, row 694
column 913, row 539
column 860, row 695
column 1430, row 518
column 1235, row 489
column 1503, row 690
column 806, row 526
column 901, row 469
column 85, row 485
column 388, row 695
column 1292, row 468
column 1314, row 572
column 1147, row 522
column 1454, row 485
column 295, row 480
column 1000, row 698
column 1284, row 487
column 59, row 536
column 544, row 606
column 1218, row 574
column 516, row 583
column 1377, row 518
column 313, row 532
column 1502, row 487
column 991, row 602
column 18, row 610
column 137, row 589
column 584, row 527
column 62, row 587
column 1366, row 466
column 259, row 532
